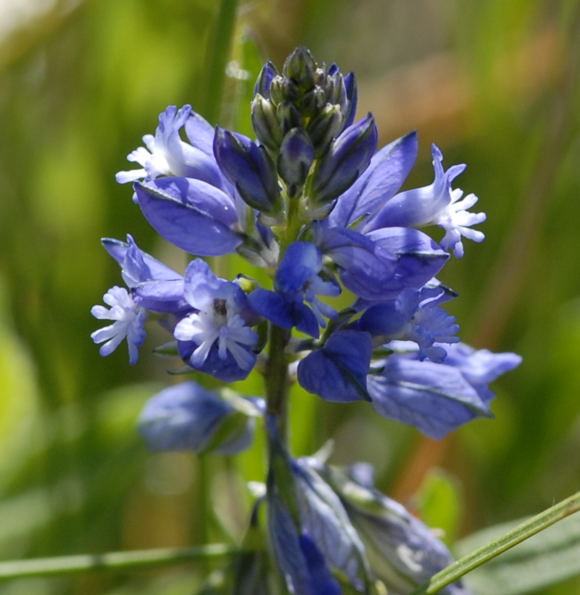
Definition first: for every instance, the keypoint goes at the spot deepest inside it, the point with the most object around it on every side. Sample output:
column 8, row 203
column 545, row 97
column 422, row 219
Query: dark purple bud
column 313, row 101
column 348, row 156
column 265, row 122
column 248, row 166
column 288, row 116
column 324, row 127
column 267, row 74
column 349, row 109
column 300, row 67
column 296, row 157
column 335, row 90
column 283, row 89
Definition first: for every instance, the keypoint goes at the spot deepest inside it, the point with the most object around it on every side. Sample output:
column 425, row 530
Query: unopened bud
column 324, row 127
column 267, row 74
column 288, row 116
column 296, row 157
column 265, row 123
column 300, row 67
column 283, row 89
column 248, row 166
column 348, row 156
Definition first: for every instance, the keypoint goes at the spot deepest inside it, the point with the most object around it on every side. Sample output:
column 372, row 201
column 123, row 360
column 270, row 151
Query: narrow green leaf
column 111, row 561
column 498, row 546
column 543, row 560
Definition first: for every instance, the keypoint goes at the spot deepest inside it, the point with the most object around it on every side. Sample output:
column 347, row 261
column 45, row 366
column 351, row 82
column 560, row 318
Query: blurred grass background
column 495, row 84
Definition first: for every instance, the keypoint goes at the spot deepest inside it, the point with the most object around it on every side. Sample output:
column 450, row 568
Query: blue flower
column 215, row 337
column 192, row 214
column 166, row 154
column 437, row 398
column 153, row 285
column 348, row 155
column 297, row 281
column 338, row 370
column 436, row 204
column 189, row 417
column 380, row 264
column 408, row 318
column 402, row 551
column 385, row 174
column 128, row 323
column 481, row 366
column 249, row 168
column 309, row 529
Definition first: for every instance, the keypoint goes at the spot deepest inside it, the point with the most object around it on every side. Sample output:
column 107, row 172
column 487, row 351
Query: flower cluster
column 315, row 203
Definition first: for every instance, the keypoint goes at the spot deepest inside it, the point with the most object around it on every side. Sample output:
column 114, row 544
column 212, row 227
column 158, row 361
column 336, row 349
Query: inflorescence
column 320, row 208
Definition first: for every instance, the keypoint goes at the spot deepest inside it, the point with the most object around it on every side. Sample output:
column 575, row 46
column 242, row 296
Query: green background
column 495, row 84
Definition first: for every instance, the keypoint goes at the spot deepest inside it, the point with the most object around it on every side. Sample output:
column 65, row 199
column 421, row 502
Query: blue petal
column 202, row 286
column 272, row 306
column 418, row 257
column 161, row 296
column 155, row 286
column 289, row 552
column 284, row 311
column 225, row 369
column 321, row 580
column 192, row 214
column 386, row 173
column 200, row 133
column 419, row 206
column 364, row 266
column 352, row 96
column 348, row 156
column 137, row 265
column 182, row 417
column 337, row 371
column 301, row 262
column 388, row 318
column 480, row 367
column 248, row 167
column 435, row 398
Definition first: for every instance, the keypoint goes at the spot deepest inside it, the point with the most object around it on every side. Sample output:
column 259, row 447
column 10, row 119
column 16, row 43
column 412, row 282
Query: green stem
column 505, row 542
column 276, row 379
column 204, row 518
column 112, row 561
column 219, row 53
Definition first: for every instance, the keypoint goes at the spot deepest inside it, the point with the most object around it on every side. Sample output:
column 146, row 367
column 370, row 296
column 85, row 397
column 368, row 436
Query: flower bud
column 335, row 91
column 296, row 157
column 324, row 127
column 187, row 417
column 313, row 101
column 248, row 166
column 283, row 89
column 402, row 551
column 349, row 108
column 265, row 122
column 267, row 74
column 348, row 156
column 288, row 116
column 300, row 67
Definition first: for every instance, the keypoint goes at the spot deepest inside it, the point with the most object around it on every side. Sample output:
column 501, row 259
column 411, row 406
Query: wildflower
column 188, row 417
column 215, row 337
column 436, row 204
column 311, row 535
column 298, row 281
column 128, row 323
column 166, row 154
column 402, row 551
column 437, row 398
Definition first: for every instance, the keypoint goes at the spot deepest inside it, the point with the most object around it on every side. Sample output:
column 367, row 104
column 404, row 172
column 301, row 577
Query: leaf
column 545, row 559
